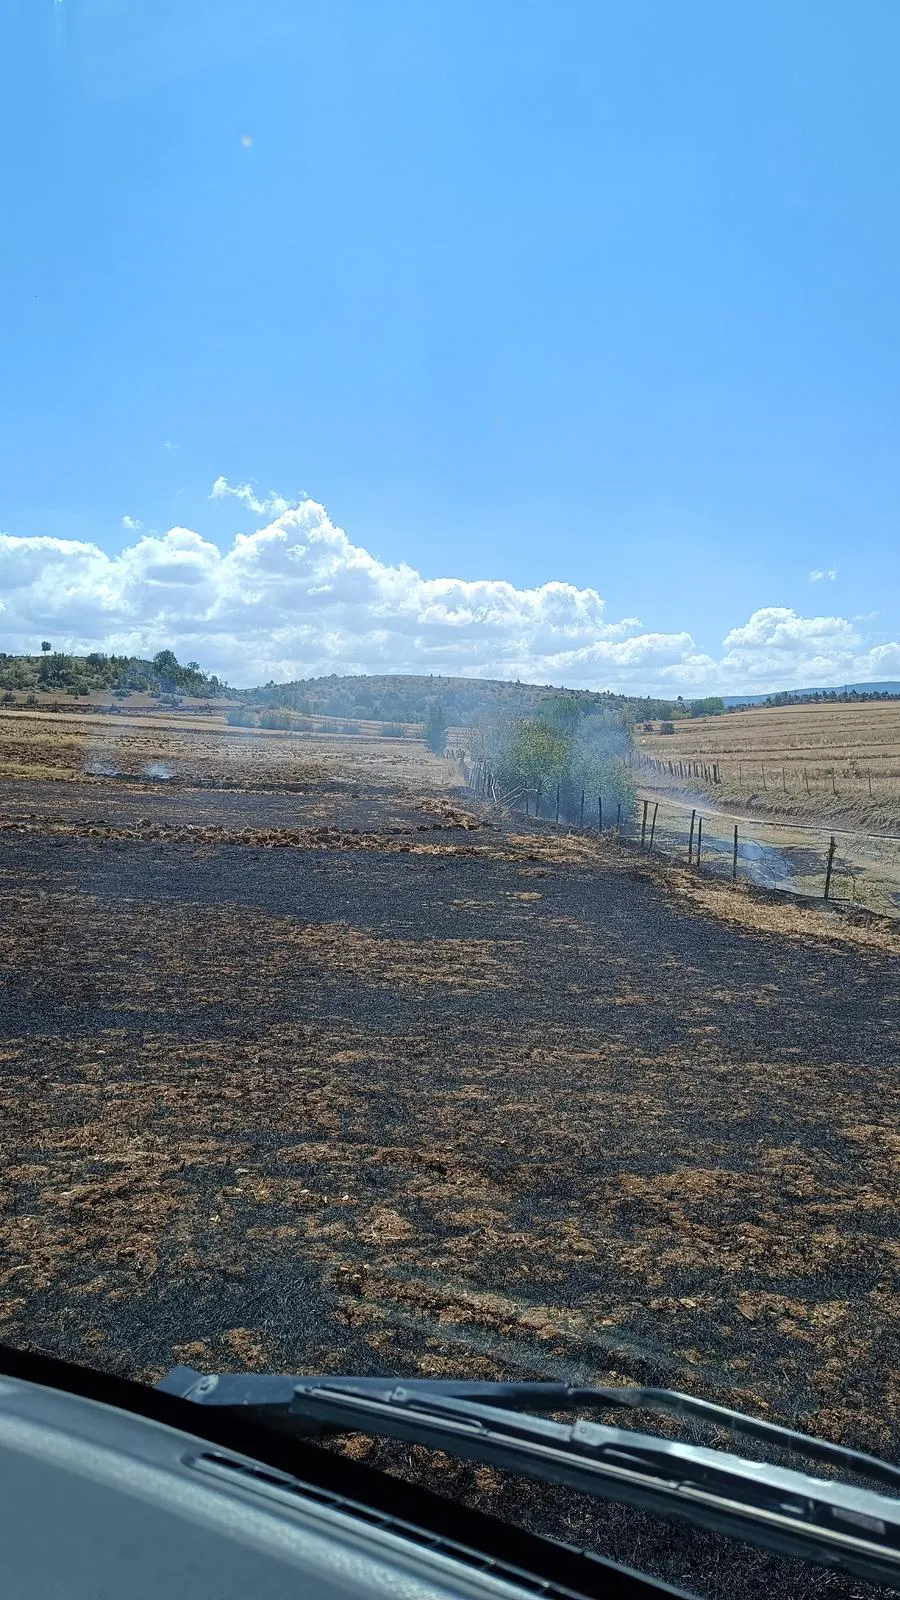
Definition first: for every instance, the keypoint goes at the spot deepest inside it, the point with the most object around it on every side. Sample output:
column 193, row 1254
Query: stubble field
column 825, row 761
column 327, row 1069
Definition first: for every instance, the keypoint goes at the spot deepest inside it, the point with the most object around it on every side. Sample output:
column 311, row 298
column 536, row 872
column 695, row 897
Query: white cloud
column 823, row 574
column 272, row 506
column 296, row 598
column 132, row 524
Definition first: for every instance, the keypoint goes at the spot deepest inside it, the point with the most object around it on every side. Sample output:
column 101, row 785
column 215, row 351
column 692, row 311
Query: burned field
column 435, row 1097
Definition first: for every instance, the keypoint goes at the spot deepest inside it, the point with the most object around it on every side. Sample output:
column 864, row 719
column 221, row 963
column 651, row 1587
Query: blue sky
column 522, row 292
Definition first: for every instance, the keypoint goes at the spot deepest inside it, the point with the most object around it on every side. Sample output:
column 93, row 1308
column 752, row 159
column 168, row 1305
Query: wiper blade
column 274, row 1391
column 831, row 1522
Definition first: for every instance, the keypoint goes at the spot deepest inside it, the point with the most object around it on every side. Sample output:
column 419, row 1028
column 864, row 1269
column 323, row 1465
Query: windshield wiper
column 829, row 1521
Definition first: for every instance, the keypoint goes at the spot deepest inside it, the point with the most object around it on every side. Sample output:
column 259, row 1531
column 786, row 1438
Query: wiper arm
column 830, row 1522
column 274, row 1392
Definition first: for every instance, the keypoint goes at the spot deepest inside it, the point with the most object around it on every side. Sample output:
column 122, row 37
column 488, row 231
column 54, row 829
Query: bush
column 580, row 753
column 240, row 717
column 276, row 719
column 667, row 727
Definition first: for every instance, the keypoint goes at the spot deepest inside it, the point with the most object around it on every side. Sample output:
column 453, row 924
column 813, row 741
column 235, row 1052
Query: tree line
column 58, row 671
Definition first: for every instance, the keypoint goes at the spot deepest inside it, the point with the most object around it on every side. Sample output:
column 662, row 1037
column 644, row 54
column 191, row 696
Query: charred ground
column 433, row 1096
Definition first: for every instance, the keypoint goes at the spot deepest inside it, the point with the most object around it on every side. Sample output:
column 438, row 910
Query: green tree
column 436, row 729
column 534, row 751
column 46, row 646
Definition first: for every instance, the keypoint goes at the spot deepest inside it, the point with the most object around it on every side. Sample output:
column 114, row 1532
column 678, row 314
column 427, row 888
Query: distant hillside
column 845, row 691
column 55, row 672
column 405, row 698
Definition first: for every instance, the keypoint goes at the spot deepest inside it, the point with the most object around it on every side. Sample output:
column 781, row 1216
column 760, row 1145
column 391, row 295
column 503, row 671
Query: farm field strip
column 824, row 762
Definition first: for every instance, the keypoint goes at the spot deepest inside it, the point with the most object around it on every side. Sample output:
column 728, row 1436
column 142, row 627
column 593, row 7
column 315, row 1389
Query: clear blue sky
column 522, row 289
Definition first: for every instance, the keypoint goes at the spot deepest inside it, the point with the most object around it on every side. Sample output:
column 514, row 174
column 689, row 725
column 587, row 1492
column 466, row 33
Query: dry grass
column 186, row 750
column 415, row 1094
column 795, row 761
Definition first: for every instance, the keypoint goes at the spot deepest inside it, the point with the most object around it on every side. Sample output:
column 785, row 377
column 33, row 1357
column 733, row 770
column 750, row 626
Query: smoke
column 563, row 747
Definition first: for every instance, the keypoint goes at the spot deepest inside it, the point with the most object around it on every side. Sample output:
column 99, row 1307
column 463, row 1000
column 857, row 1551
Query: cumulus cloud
column 132, row 524
column 823, row 575
column 297, row 598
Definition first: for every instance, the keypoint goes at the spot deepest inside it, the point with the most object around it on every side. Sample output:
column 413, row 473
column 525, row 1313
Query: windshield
column 450, row 708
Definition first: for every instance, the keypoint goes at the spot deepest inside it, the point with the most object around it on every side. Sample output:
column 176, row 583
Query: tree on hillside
column 46, row 646
column 436, row 729
column 165, row 662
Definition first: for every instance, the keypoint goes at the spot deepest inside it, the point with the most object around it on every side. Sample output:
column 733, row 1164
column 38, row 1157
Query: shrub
column 667, row 727
column 240, row 717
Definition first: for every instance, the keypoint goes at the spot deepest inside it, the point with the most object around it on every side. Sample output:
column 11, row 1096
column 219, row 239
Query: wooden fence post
column 870, row 782
column 691, row 838
column 806, row 779
column 526, row 803
column 699, row 837
column 765, row 785
column 734, row 857
column 618, row 817
column 537, row 798
column 644, row 825
column 599, row 813
column 581, row 822
column 829, row 867
column 653, row 824
column 784, row 780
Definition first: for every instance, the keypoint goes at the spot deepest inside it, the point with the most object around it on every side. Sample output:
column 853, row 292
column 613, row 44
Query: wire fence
column 842, row 866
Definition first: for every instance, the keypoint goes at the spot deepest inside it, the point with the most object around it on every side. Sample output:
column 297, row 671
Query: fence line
column 773, row 777
column 776, row 822
column 724, row 842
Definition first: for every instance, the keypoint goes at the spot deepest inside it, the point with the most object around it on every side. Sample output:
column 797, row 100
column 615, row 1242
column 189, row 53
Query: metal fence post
column 829, row 867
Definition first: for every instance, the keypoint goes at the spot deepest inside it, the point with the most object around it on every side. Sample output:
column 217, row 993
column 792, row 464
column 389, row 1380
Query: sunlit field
column 818, row 761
